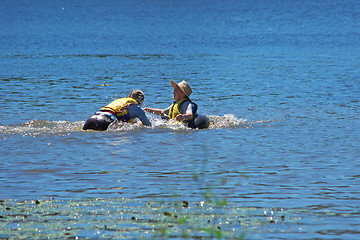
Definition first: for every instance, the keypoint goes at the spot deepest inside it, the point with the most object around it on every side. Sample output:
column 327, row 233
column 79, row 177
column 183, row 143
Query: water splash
column 42, row 127
column 227, row 121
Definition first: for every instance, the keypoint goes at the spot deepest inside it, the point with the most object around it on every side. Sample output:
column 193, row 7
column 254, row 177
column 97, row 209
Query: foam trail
column 41, row 127
column 226, row 121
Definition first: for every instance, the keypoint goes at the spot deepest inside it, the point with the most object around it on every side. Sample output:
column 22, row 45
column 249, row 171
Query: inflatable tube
column 200, row 122
column 100, row 121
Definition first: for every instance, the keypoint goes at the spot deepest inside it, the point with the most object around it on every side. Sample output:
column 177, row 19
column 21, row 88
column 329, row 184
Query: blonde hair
column 138, row 95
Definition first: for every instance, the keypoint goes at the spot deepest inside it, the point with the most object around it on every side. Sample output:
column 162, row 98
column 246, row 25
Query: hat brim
column 174, row 85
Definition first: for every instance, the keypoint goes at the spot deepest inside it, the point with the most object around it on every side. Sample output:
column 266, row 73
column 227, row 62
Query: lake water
column 280, row 81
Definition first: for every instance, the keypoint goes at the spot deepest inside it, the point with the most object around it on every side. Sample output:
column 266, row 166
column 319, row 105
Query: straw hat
column 184, row 87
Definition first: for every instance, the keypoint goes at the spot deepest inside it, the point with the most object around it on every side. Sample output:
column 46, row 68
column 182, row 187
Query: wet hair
column 138, row 95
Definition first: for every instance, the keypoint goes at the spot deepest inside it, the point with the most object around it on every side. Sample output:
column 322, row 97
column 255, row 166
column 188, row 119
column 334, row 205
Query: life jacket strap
column 108, row 109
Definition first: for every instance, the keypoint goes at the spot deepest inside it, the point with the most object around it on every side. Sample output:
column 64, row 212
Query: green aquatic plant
column 120, row 218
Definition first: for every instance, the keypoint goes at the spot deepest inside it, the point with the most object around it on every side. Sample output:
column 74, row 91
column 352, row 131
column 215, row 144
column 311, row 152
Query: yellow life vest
column 174, row 108
column 119, row 107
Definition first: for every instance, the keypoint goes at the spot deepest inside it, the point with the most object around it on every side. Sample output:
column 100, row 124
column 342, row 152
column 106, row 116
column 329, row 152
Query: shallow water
column 129, row 219
column 279, row 81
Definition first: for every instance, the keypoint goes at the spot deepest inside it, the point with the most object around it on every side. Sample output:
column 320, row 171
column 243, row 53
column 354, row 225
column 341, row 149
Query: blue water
column 279, row 80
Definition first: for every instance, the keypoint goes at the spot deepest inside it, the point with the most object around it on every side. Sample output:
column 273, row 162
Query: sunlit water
column 278, row 80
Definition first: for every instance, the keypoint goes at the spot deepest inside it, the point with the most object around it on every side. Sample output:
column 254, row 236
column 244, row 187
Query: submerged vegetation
column 129, row 219
column 120, row 218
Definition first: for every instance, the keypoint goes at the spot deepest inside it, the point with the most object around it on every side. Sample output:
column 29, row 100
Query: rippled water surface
column 279, row 81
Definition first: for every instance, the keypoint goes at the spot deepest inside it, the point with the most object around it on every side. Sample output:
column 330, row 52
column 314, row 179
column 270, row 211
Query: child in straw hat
column 182, row 109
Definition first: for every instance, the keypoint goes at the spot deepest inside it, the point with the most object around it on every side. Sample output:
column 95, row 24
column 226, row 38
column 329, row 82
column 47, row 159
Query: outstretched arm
column 136, row 111
column 156, row 111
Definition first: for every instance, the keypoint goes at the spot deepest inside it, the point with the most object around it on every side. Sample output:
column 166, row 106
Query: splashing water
column 41, row 127
column 226, row 121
